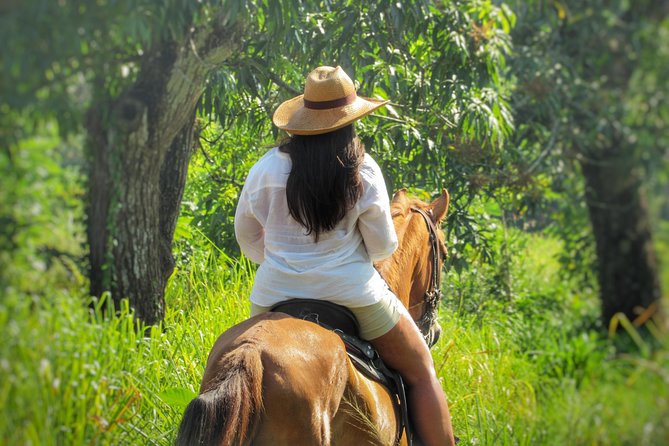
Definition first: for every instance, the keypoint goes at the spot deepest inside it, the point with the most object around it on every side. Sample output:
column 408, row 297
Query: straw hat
column 329, row 103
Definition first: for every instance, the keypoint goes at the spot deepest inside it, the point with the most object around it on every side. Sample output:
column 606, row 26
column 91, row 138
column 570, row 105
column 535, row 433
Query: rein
column 433, row 293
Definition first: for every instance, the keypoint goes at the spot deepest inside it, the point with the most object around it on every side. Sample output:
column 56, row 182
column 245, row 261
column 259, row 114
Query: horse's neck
column 405, row 270
column 397, row 271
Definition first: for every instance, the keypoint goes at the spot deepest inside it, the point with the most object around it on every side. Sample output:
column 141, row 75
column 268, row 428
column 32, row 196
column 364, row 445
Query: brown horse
column 278, row 380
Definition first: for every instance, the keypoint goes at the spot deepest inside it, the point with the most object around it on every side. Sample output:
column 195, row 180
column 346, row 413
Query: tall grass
column 70, row 375
column 522, row 359
column 518, row 372
column 535, row 368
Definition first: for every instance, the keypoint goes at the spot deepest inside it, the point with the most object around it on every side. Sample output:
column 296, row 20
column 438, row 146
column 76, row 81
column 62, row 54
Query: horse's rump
column 309, row 391
column 228, row 408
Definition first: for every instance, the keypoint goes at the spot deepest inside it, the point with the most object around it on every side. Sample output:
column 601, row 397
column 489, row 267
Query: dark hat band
column 324, row 105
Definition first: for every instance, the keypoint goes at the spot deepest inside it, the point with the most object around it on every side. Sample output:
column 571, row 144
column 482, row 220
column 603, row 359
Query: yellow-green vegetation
column 519, row 372
column 546, row 121
column 523, row 357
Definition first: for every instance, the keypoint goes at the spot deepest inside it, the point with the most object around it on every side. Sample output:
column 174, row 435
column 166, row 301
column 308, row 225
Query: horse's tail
column 227, row 412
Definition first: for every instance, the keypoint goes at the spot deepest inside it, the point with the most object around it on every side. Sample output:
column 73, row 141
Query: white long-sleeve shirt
column 337, row 268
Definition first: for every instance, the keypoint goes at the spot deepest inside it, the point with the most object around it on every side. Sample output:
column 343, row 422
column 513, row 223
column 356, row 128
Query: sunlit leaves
column 442, row 65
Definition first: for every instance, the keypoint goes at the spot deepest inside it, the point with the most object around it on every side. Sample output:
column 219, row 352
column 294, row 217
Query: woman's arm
column 249, row 232
column 375, row 222
column 378, row 232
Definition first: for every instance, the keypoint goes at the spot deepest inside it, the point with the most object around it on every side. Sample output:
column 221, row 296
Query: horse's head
column 414, row 271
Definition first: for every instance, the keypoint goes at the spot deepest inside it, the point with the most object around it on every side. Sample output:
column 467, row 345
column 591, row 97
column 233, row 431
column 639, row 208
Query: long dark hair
column 324, row 181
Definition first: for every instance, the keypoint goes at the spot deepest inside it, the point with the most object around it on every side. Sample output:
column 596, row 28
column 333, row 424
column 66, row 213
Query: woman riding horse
column 314, row 213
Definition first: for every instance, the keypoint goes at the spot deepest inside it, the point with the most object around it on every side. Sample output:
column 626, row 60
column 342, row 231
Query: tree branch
column 278, row 81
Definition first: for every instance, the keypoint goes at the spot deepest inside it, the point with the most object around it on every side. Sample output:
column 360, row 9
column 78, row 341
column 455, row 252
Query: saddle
column 362, row 354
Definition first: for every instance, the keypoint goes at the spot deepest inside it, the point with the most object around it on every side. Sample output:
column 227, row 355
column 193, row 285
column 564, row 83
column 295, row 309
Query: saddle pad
column 326, row 314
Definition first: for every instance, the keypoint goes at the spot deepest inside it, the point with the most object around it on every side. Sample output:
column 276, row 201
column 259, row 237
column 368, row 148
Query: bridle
column 433, row 293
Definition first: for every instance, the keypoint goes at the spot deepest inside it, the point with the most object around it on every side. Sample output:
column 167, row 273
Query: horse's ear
column 400, row 196
column 440, row 206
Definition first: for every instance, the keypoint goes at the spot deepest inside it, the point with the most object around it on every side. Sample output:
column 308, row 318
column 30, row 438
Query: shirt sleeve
column 375, row 222
column 249, row 231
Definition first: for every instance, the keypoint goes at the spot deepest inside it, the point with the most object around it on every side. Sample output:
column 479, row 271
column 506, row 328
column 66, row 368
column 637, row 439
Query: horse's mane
column 403, row 205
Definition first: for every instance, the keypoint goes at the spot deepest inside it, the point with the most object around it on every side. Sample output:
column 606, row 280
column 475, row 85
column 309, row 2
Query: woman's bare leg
column 404, row 350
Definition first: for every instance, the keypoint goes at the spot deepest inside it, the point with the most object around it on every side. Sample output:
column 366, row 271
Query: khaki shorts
column 375, row 320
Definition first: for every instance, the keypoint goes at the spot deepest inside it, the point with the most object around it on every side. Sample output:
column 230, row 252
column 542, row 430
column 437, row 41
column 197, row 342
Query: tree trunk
column 615, row 184
column 627, row 265
column 140, row 146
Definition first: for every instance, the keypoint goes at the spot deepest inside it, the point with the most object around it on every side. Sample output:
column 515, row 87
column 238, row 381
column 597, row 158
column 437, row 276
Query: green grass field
column 520, row 372
column 522, row 357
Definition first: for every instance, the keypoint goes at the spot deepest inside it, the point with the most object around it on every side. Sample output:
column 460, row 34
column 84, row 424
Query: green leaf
column 177, row 397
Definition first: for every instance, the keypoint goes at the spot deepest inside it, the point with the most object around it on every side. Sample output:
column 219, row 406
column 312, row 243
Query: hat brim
column 293, row 117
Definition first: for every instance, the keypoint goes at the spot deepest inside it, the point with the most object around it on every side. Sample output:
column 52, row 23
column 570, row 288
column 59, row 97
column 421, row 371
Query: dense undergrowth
column 520, row 372
column 523, row 357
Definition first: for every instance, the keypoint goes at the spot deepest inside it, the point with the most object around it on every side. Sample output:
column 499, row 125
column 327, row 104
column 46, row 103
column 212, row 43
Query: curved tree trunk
column 140, row 145
column 615, row 184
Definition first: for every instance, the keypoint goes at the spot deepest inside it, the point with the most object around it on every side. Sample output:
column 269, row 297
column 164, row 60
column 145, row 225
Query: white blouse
column 339, row 267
